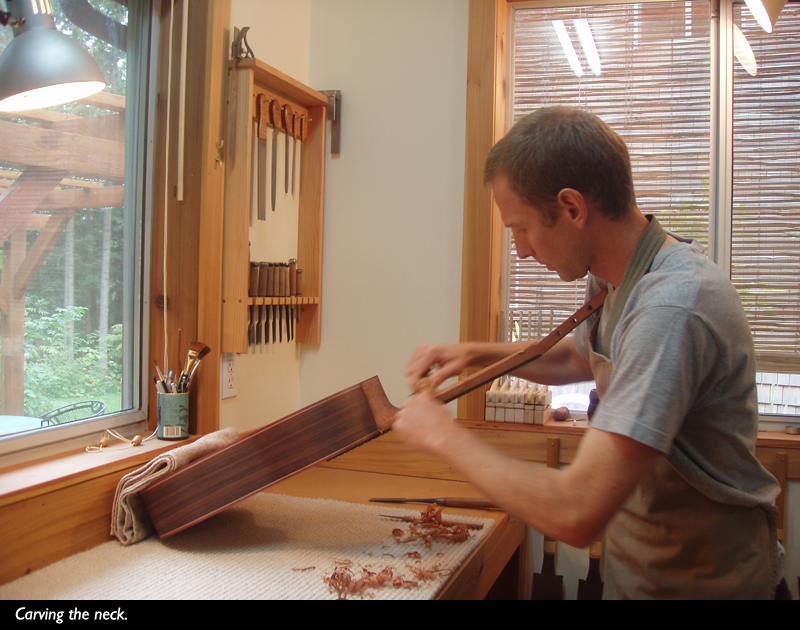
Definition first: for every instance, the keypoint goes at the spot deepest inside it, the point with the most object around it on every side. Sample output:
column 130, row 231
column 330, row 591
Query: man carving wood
column 668, row 464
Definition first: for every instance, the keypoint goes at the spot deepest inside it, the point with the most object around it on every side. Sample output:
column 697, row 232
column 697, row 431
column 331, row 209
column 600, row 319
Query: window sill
column 57, row 506
column 55, row 472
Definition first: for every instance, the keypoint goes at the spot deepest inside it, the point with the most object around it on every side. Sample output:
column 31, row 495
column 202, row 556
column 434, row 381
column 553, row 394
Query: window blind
column 652, row 87
column 765, row 248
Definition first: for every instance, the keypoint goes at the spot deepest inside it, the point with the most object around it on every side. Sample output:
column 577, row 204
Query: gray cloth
column 683, row 379
column 129, row 520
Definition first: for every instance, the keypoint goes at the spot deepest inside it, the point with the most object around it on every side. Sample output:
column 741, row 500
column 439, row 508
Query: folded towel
column 129, row 520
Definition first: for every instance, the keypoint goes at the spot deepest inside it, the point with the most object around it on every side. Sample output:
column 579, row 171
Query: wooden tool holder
column 253, row 83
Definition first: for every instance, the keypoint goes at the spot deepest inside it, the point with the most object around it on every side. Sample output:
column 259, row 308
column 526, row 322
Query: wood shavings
column 304, row 569
column 430, row 527
column 399, row 582
column 428, row 574
column 345, row 583
column 350, row 580
column 348, row 584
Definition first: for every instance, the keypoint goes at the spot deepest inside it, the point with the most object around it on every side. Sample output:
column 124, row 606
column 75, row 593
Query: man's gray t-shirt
column 683, row 379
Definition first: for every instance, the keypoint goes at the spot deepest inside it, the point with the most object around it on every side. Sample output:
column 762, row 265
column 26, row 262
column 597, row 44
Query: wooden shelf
column 248, row 79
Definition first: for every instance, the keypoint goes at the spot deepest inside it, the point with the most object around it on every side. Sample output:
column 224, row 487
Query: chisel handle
column 457, row 502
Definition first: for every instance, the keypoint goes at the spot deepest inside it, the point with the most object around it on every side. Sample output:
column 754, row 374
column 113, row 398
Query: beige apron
column 669, row 540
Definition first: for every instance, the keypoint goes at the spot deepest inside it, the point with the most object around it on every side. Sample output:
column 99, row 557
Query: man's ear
column 574, row 206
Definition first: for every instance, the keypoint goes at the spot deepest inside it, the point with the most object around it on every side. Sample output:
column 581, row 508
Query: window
column 765, row 213
column 72, row 200
column 662, row 81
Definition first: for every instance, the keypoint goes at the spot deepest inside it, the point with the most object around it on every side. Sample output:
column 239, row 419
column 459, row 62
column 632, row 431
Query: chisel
column 281, row 293
column 252, row 291
column 292, row 291
column 286, row 308
column 270, row 293
column 299, row 291
column 273, row 293
column 266, row 271
column 262, row 292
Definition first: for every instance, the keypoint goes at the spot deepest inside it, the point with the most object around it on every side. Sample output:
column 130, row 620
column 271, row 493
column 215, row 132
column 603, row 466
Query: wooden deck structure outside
column 52, row 164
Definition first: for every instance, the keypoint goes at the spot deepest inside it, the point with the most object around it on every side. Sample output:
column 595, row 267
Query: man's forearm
column 541, row 497
column 558, row 366
column 572, row 505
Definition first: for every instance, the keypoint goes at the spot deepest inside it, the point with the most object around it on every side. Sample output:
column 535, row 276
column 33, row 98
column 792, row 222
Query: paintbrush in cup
column 197, row 350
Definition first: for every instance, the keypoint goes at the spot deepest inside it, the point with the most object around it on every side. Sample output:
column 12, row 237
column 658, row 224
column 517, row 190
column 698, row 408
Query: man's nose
column 524, row 250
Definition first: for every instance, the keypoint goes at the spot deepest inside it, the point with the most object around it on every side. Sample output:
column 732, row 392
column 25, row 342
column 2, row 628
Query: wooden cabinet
column 248, row 80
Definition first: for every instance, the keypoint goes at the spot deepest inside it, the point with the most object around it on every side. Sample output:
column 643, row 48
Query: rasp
column 295, row 131
column 286, row 119
column 275, row 119
column 263, row 120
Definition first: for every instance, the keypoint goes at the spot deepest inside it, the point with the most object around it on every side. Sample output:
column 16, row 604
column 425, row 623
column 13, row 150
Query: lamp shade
column 42, row 67
column 765, row 12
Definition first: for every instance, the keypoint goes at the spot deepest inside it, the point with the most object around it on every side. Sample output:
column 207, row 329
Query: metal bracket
column 240, row 49
column 335, row 116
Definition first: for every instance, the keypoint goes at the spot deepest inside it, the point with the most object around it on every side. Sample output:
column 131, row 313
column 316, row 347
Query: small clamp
column 240, row 49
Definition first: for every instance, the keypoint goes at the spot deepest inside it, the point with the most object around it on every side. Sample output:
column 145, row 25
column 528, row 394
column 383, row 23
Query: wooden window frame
column 70, row 495
column 195, row 228
column 487, row 112
column 487, row 64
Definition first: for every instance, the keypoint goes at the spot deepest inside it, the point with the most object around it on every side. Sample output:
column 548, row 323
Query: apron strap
column 642, row 259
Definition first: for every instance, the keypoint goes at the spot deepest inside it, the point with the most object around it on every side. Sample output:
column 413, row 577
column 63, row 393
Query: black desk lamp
column 41, row 66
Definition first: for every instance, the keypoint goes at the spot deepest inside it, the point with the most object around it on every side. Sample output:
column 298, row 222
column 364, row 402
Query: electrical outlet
column 228, row 375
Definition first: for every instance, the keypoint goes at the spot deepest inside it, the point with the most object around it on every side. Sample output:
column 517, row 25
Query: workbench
column 242, row 546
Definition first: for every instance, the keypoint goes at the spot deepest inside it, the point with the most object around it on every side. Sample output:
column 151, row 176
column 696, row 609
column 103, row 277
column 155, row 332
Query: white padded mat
column 267, row 547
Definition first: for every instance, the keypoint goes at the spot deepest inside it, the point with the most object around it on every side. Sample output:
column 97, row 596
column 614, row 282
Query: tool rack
column 251, row 81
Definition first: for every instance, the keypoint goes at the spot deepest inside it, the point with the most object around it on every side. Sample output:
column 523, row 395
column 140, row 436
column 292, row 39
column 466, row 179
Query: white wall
column 394, row 197
column 279, row 32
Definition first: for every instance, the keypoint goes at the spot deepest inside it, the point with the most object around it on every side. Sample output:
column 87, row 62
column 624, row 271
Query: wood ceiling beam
column 73, row 153
column 39, row 251
column 24, row 196
column 104, row 197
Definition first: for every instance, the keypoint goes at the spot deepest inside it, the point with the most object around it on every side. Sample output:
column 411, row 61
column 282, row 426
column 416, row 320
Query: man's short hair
column 561, row 147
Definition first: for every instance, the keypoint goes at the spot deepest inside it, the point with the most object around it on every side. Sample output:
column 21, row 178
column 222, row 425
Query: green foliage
column 53, row 378
column 88, row 249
